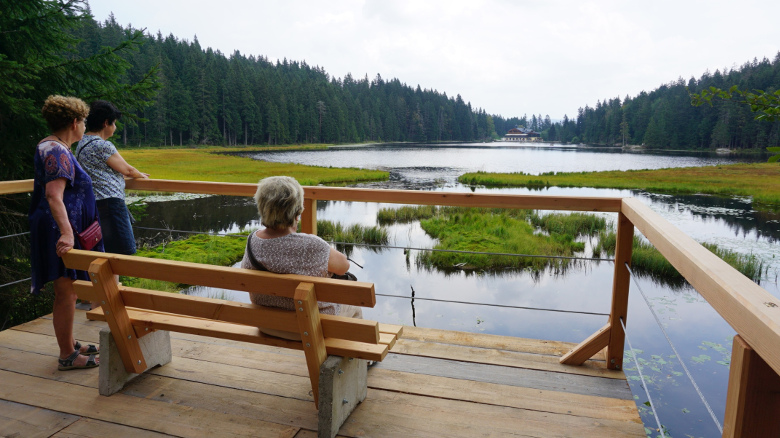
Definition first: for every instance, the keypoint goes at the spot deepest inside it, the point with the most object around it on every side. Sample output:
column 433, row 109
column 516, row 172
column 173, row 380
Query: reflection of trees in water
column 737, row 214
column 209, row 214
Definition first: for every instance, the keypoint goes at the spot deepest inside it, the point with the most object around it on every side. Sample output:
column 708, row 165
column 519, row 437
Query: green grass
column 354, row 233
column 761, row 181
column 209, row 164
column 497, row 231
column 198, row 248
column 227, row 250
column 646, row 261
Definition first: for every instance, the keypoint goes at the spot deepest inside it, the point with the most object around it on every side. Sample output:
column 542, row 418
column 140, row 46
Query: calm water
column 701, row 337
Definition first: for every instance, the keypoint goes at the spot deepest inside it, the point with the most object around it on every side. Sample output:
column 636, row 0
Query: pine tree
column 38, row 57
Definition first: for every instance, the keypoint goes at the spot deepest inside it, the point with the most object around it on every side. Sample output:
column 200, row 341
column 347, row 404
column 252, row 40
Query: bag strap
column 82, row 149
column 255, row 263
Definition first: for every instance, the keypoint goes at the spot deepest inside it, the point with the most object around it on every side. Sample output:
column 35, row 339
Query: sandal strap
column 68, row 361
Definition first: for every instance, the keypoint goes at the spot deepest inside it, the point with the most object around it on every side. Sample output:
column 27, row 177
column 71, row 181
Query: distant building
column 522, row 134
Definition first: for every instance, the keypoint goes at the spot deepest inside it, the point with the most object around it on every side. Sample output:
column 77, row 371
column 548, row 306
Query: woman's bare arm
column 54, row 192
column 337, row 262
column 119, row 164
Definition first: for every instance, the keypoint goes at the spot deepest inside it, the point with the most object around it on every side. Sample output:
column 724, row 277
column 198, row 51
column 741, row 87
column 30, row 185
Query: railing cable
column 14, row 235
column 398, row 247
column 642, row 379
column 15, row 282
column 679, row 358
column 493, row 305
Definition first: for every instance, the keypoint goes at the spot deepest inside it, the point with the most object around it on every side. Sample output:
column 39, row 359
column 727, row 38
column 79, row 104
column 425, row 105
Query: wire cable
column 15, row 282
column 397, row 247
column 14, row 235
column 679, row 358
column 493, row 305
column 642, row 379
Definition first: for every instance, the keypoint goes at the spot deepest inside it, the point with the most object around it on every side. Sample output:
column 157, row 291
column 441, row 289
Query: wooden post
column 621, row 281
column 116, row 315
column 308, row 315
column 309, row 216
column 753, row 398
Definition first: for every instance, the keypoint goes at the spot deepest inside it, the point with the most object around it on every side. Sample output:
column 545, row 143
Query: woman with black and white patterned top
column 281, row 249
column 108, row 170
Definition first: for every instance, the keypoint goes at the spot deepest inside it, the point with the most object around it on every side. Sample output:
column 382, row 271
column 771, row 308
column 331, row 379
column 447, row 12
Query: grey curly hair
column 279, row 201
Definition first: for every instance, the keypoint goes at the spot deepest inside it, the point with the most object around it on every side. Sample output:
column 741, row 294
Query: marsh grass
column 761, row 181
column 198, row 248
column 499, row 231
column 208, row 164
column 227, row 250
column 355, row 233
column 647, row 261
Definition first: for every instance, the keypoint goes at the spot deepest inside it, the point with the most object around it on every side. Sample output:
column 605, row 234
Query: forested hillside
column 664, row 118
column 208, row 97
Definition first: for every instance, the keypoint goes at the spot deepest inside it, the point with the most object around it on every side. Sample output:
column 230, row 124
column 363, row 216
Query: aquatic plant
column 646, row 260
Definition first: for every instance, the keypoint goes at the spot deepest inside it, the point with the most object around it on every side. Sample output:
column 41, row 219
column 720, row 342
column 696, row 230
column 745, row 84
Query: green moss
column 496, row 231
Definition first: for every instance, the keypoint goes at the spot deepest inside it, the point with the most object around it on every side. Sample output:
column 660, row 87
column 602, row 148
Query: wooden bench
column 140, row 321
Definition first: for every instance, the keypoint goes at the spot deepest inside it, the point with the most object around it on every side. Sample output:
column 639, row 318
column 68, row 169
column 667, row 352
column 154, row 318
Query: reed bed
column 648, row 262
column 761, row 181
column 495, row 231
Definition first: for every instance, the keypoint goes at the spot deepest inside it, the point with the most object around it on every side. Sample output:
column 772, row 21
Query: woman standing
column 108, row 170
column 62, row 206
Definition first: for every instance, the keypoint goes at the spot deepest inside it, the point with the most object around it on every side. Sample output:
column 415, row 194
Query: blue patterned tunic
column 52, row 161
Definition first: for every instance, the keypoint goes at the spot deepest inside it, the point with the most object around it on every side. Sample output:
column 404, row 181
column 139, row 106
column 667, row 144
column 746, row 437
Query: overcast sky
column 509, row 57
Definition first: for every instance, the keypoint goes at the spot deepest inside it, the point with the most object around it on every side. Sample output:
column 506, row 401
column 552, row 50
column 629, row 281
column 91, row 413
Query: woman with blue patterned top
column 62, row 206
column 108, row 170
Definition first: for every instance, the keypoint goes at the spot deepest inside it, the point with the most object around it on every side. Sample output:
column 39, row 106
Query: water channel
column 565, row 306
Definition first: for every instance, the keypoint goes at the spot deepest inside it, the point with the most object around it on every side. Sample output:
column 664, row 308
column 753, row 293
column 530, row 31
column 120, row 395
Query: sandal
column 67, row 364
column 90, row 351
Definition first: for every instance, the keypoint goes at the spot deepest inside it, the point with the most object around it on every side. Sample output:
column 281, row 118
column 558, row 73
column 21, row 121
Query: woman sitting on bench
column 279, row 248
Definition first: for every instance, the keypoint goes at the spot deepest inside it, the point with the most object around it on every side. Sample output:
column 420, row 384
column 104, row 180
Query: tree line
column 207, row 97
column 665, row 119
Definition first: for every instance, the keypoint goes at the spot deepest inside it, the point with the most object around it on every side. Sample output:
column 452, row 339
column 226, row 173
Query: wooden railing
column 753, row 398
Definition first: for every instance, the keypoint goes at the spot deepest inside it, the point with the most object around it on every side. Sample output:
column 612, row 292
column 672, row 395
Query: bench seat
column 336, row 348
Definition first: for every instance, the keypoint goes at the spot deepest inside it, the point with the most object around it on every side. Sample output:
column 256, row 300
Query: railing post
column 309, row 216
column 753, row 398
column 621, row 280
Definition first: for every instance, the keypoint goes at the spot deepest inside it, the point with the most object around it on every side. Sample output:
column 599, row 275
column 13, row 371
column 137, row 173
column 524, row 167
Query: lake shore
column 222, row 165
column 760, row 181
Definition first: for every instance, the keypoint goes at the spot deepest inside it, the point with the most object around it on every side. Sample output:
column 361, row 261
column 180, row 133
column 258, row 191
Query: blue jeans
column 116, row 224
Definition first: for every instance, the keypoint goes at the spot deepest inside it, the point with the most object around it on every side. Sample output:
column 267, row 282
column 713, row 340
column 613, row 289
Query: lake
column 565, row 306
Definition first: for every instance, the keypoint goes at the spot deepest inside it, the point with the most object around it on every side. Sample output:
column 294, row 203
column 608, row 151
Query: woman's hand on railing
column 64, row 244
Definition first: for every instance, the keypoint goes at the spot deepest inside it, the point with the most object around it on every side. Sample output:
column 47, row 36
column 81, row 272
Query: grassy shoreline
column 760, row 181
column 215, row 163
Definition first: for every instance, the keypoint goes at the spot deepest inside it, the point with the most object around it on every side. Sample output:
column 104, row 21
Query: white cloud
column 508, row 57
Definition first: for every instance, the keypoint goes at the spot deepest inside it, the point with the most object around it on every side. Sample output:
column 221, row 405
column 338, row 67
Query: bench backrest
column 132, row 312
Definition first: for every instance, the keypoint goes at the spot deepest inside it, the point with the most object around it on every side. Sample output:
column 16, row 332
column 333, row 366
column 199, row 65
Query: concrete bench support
column 156, row 348
column 342, row 388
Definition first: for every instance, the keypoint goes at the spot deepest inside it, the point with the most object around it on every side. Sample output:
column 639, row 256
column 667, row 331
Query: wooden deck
column 435, row 383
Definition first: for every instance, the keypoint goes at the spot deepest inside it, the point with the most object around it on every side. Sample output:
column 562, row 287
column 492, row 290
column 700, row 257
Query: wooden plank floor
column 435, row 384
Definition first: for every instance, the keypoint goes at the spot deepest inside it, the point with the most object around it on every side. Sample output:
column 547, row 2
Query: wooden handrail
column 20, row 186
column 752, row 311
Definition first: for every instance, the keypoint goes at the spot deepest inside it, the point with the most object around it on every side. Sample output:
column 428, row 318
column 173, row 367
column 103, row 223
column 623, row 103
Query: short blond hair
column 279, row 201
column 60, row 111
